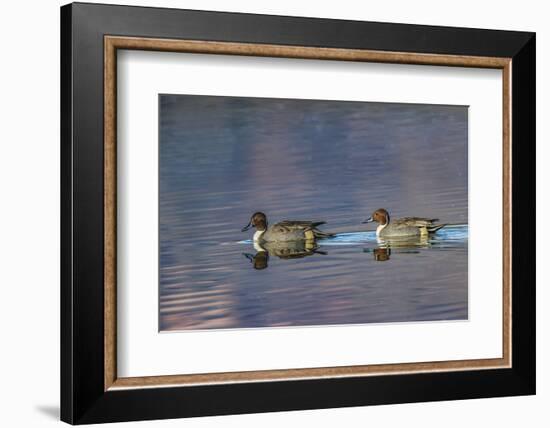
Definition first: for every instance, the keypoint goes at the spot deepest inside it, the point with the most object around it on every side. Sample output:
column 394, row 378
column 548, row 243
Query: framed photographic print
column 265, row 213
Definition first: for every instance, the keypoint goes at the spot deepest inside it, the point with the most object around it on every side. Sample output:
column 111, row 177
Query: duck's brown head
column 380, row 216
column 258, row 220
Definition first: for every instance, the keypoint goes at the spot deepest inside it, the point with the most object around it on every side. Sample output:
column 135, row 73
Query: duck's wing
column 415, row 221
column 419, row 222
column 299, row 224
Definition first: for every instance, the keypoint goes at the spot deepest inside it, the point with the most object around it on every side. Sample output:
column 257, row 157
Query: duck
column 405, row 227
column 284, row 231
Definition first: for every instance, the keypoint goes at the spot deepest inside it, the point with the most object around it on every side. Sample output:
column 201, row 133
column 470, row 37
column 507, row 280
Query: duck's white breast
column 258, row 235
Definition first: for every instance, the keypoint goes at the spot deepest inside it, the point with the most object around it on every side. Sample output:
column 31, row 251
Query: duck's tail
column 435, row 227
column 319, row 234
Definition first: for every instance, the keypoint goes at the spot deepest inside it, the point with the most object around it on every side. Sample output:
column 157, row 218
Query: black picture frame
column 83, row 398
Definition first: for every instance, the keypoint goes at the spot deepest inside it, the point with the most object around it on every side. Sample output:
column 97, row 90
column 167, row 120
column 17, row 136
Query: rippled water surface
column 223, row 158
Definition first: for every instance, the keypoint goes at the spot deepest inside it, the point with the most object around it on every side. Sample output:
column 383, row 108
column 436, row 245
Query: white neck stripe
column 258, row 234
column 380, row 228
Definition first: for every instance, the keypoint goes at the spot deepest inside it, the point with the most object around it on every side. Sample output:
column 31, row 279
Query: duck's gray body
column 287, row 231
column 284, row 231
column 408, row 227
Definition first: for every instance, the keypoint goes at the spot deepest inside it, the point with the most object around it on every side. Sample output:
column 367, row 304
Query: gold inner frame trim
column 113, row 43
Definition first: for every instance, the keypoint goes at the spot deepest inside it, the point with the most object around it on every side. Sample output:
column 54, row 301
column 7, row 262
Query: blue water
column 223, row 158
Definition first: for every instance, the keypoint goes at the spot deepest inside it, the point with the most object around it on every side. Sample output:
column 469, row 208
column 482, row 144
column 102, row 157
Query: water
column 223, row 158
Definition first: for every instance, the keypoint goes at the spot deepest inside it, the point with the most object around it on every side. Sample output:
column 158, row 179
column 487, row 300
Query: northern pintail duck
column 284, row 231
column 402, row 227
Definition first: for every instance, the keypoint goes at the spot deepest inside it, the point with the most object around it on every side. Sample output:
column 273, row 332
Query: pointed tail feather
column 435, row 227
column 321, row 234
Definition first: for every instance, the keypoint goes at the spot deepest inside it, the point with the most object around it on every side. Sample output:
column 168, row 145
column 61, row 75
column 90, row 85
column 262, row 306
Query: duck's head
column 380, row 216
column 258, row 220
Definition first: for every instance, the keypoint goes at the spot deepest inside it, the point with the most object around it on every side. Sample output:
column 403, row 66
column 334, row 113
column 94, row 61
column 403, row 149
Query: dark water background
column 223, row 158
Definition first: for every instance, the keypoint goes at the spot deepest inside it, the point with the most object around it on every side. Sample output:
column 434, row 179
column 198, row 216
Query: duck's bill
column 248, row 226
column 369, row 220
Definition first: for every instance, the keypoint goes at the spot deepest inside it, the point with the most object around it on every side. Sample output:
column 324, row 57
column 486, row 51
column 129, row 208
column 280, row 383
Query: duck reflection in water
column 410, row 245
column 381, row 254
column 283, row 250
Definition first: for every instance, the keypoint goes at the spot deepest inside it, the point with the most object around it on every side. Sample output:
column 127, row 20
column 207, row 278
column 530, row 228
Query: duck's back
column 292, row 230
column 415, row 222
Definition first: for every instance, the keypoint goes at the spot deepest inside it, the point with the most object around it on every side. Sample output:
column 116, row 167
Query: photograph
column 306, row 213
column 262, row 211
